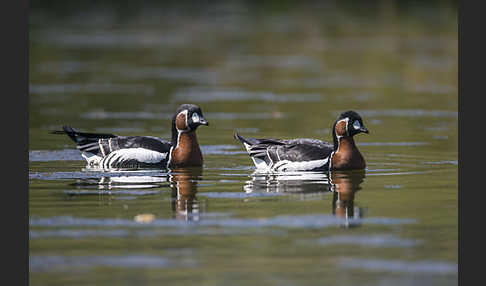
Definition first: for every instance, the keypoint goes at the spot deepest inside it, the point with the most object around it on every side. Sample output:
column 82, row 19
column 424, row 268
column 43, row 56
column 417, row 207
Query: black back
column 147, row 142
column 274, row 150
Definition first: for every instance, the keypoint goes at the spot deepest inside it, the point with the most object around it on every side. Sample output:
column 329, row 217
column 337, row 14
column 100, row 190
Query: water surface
column 264, row 71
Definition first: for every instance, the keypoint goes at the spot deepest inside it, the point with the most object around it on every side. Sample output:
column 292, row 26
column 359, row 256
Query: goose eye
column 195, row 118
column 356, row 125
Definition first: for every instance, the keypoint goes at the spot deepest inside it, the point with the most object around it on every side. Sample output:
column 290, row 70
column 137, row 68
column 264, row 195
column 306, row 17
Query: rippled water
column 264, row 71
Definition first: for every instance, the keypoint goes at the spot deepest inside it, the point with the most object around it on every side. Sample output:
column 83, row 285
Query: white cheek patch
column 356, row 125
column 195, row 118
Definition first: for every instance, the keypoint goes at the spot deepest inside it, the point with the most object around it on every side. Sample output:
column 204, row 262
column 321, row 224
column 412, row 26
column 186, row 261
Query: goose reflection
column 126, row 186
column 342, row 184
column 127, row 180
column 184, row 202
column 133, row 182
column 288, row 182
column 182, row 182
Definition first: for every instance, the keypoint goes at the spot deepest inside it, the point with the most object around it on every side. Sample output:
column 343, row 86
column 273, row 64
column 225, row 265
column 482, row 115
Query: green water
column 281, row 71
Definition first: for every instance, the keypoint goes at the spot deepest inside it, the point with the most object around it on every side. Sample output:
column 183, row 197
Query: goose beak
column 203, row 121
column 364, row 130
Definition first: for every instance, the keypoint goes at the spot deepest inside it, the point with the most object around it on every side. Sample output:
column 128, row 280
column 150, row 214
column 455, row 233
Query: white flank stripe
column 105, row 160
column 170, row 154
column 270, row 158
column 139, row 154
column 260, row 164
column 91, row 148
column 101, row 148
column 87, row 145
column 247, row 146
column 286, row 165
column 91, row 159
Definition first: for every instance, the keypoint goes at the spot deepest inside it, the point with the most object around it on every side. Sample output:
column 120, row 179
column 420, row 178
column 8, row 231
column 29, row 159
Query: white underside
column 289, row 166
column 139, row 154
column 286, row 165
column 91, row 159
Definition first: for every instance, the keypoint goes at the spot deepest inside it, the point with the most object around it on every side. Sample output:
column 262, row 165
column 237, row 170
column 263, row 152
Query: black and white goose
column 109, row 151
column 310, row 154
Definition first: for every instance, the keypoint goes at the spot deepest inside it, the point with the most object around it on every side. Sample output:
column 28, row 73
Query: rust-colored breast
column 347, row 156
column 187, row 153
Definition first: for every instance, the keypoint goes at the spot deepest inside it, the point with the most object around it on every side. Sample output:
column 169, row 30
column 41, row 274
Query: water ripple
column 94, row 175
column 91, row 88
column 117, row 192
column 144, row 233
column 368, row 240
column 53, row 263
column 412, row 267
column 207, row 95
column 237, row 195
column 75, row 155
column 298, row 221
column 102, row 114
column 54, row 155
column 409, row 113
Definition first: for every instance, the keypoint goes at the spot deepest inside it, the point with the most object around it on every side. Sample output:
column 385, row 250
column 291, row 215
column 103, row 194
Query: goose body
column 305, row 154
column 110, row 151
